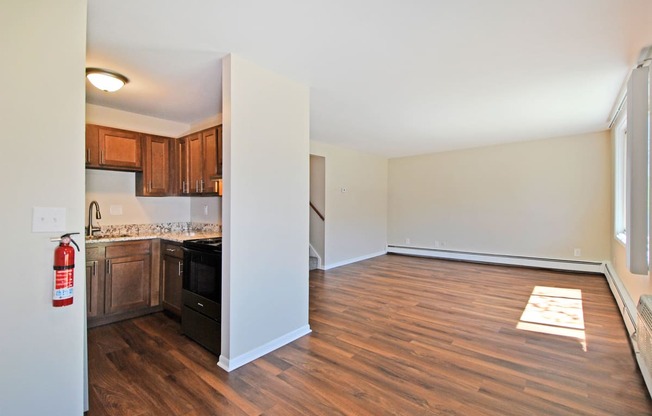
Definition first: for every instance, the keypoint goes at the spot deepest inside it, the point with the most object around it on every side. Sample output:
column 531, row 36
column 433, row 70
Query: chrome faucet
column 91, row 228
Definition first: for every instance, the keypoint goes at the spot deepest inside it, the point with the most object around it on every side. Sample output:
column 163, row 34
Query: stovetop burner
column 204, row 244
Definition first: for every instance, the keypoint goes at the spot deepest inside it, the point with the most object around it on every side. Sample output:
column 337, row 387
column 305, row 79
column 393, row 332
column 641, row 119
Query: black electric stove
column 211, row 245
column 202, row 291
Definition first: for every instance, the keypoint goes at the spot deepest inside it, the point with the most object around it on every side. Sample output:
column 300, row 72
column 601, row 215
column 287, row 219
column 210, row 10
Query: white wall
column 42, row 347
column 541, row 198
column 356, row 220
column 205, row 124
column 118, row 190
column 111, row 117
column 206, row 209
column 266, row 181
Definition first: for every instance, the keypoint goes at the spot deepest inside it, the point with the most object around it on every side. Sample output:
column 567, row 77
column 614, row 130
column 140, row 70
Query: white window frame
column 620, row 180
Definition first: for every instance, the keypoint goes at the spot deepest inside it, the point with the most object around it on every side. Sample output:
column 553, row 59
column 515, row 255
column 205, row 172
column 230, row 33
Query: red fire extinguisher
column 64, row 268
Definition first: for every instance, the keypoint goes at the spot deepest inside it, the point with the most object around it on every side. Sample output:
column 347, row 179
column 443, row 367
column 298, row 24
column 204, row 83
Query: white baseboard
column 630, row 317
column 353, row 260
column 233, row 363
column 557, row 264
column 625, row 302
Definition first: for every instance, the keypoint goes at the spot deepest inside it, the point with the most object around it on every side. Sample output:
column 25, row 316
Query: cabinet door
column 92, row 146
column 195, row 161
column 220, row 151
column 127, row 283
column 212, row 160
column 210, row 154
column 154, row 180
column 94, row 304
column 172, row 282
column 119, row 148
column 180, row 166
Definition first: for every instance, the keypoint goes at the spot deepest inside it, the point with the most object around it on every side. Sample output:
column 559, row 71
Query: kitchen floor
column 395, row 335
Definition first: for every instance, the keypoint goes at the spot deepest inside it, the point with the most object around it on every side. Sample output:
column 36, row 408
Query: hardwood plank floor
column 392, row 335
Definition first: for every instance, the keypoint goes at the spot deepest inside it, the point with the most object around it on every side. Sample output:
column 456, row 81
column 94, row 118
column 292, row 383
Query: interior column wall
column 265, row 211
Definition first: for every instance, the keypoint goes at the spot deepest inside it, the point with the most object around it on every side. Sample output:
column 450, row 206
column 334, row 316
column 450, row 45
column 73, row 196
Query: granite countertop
column 173, row 231
column 178, row 237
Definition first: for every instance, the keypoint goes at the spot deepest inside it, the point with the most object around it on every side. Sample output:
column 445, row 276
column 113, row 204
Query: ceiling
column 392, row 78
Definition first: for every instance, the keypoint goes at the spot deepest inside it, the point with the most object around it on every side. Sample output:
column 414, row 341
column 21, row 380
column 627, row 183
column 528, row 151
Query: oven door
column 202, row 274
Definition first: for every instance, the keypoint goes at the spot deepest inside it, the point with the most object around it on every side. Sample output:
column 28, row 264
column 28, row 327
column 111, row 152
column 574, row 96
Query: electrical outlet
column 48, row 219
column 577, row 252
column 115, row 209
column 437, row 244
column 206, row 210
column 407, row 241
column 343, row 190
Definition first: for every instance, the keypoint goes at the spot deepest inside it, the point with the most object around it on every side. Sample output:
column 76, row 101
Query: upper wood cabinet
column 109, row 148
column 198, row 159
column 154, row 180
column 212, row 153
column 190, row 165
column 195, row 163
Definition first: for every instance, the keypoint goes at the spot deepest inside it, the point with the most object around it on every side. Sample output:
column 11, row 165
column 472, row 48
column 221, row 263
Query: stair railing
column 319, row 214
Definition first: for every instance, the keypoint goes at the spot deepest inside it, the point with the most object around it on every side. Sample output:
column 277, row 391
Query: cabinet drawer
column 94, row 252
column 171, row 249
column 127, row 249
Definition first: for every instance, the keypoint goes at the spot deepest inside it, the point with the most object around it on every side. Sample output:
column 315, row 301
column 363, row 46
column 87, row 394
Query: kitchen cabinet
column 154, row 180
column 212, row 153
column 195, row 163
column 127, row 277
column 120, row 281
column 172, row 273
column 94, row 282
column 114, row 149
column 198, row 160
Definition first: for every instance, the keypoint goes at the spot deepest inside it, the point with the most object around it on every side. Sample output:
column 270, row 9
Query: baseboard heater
column 644, row 339
column 540, row 262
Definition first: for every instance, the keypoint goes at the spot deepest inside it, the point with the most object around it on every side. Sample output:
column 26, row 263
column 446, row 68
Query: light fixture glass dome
column 105, row 80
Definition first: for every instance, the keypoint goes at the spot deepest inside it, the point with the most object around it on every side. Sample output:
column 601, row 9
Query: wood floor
column 393, row 335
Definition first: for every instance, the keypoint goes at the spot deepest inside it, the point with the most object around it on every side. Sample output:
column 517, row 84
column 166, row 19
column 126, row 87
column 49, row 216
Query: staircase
column 315, row 257
column 313, row 263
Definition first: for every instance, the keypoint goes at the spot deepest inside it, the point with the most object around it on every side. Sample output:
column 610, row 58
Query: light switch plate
column 48, row 219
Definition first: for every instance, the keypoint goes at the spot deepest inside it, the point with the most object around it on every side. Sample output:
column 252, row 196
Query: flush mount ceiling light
column 106, row 80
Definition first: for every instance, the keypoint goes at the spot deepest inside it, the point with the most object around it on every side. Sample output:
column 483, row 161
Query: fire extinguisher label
column 63, row 282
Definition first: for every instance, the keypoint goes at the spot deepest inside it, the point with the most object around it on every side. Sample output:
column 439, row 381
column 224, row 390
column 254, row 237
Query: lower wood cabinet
column 120, row 282
column 172, row 273
column 94, row 282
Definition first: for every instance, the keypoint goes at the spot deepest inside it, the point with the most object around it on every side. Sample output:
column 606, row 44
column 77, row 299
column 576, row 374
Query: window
column 620, row 180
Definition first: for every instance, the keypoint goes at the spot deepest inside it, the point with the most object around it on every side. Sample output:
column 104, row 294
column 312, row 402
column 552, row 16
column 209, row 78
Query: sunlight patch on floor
column 556, row 311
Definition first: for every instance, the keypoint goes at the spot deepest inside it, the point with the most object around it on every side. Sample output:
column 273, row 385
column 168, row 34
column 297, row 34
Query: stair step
column 313, row 263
